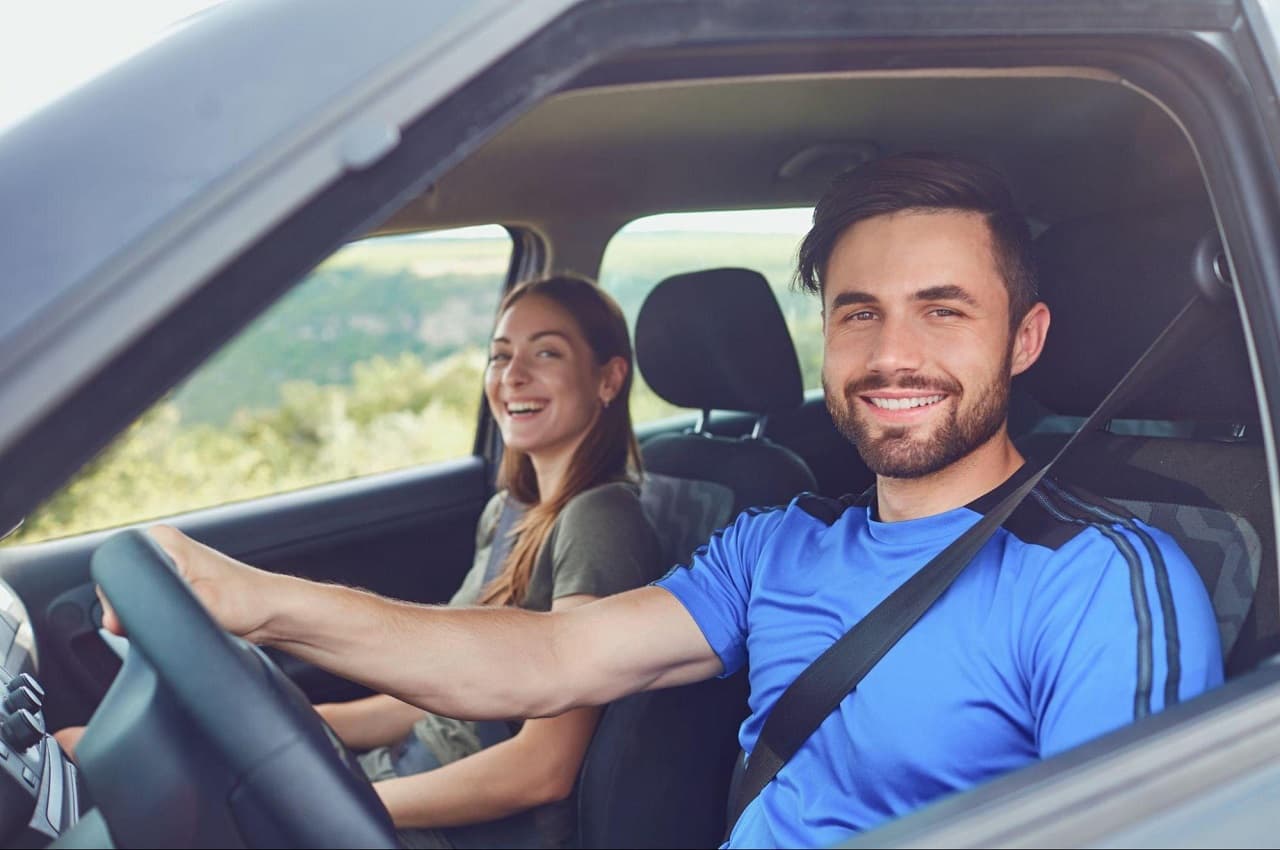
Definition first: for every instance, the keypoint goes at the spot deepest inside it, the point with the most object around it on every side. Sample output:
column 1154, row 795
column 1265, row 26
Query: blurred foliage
column 394, row 413
column 373, row 363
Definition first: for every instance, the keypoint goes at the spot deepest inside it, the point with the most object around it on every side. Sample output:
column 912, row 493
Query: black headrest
column 1112, row 283
column 716, row 340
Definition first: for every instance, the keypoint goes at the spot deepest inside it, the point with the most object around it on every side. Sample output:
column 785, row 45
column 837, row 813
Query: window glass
column 374, row 362
column 650, row 249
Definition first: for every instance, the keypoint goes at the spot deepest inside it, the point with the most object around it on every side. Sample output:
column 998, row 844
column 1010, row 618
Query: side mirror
column 16, row 526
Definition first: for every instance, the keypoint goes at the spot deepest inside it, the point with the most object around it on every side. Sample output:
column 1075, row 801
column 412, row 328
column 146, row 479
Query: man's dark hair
column 921, row 182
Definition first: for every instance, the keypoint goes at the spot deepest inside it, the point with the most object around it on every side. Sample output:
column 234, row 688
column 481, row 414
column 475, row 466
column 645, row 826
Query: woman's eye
column 499, row 357
column 547, row 352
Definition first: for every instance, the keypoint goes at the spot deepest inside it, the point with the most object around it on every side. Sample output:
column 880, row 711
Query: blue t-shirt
column 1062, row 628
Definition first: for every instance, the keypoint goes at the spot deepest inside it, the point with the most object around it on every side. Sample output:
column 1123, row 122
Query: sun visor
column 1113, row 283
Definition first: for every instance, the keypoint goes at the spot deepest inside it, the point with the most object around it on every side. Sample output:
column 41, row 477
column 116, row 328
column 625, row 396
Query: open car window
column 650, row 249
column 372, row 363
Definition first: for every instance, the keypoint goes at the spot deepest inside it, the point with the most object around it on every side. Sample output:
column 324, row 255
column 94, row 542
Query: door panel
column 408, row 534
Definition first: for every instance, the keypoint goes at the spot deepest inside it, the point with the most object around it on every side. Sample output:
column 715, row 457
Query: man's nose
column 898, row 347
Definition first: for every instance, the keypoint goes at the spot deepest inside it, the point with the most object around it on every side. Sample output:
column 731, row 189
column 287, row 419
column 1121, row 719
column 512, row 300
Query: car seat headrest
column 717, row 340
column 1112, row 283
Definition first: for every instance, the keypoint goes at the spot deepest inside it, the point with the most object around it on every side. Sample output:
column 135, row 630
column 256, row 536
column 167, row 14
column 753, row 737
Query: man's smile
column 899, row 407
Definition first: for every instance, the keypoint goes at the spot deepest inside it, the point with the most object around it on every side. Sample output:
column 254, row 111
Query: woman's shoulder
column 603, row 543
column 489, row 516
column 613, row 499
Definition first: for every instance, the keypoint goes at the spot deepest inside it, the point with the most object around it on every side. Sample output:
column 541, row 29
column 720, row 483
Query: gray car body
column 124, row 198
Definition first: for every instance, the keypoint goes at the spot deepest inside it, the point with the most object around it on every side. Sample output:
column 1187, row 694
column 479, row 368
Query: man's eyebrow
column 846, row 298
column 947, row 292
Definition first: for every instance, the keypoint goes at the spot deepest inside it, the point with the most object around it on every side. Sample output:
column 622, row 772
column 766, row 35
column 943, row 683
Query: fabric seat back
column 1186, row 456
column 717, row 340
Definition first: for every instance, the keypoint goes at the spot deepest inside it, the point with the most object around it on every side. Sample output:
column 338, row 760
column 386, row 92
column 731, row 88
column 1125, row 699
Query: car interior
column 1127, row 229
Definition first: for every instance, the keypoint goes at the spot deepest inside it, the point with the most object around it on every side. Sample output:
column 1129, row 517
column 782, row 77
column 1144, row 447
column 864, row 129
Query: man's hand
column 232, row 592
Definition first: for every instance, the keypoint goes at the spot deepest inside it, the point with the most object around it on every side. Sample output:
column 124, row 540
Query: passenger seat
column 657, row 771
column 717, row 340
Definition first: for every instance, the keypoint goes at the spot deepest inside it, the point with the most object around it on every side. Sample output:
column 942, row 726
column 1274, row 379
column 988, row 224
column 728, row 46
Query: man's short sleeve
column 716, row 584
column 1117, row 634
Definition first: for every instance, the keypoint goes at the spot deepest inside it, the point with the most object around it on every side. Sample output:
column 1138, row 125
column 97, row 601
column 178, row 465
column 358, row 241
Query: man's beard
column 894, row 453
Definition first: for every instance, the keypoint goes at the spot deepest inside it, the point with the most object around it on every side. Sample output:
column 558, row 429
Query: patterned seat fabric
column 684, row 512
column 1225, row 549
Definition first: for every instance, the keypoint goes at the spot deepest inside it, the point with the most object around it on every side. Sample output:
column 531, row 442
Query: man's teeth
column 523, row 407
column 905, row 403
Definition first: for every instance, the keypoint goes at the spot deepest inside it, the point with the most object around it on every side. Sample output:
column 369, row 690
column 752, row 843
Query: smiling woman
column 564, row 529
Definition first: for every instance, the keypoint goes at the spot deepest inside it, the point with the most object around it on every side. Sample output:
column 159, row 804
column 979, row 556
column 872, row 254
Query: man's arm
column 1100, row 652
column 472, row 663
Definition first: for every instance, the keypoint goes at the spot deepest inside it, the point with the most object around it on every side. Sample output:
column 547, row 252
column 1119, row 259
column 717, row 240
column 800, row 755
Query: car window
column 372, row 363
column 650, row 249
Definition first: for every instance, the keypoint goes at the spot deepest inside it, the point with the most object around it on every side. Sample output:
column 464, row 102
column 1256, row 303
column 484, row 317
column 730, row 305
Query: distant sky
column 48, row 47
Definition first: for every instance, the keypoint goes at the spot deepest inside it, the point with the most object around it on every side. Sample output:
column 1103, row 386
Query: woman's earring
column 605, row 402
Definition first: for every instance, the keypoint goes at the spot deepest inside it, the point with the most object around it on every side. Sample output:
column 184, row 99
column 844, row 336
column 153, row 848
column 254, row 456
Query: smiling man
column 928, row 312
column 1073, row 620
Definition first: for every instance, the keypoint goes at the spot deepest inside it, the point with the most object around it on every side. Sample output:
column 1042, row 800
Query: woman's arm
column 376, row 721
column 536, row 766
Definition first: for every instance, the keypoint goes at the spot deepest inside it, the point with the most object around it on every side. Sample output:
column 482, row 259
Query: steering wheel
column 201, row 740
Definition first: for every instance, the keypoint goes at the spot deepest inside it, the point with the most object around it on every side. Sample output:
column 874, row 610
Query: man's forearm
column 479, row 663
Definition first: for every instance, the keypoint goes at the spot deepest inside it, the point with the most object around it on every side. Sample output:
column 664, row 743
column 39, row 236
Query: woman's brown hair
column 605, row 453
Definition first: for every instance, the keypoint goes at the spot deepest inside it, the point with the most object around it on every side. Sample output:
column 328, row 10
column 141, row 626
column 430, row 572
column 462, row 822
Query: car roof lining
column 1106, row 143
column 1076, row 142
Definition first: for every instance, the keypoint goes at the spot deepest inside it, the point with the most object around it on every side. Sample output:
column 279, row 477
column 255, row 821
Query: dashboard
column 39, row 785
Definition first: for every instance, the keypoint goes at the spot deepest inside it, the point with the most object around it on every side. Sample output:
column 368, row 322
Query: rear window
column 650, row 249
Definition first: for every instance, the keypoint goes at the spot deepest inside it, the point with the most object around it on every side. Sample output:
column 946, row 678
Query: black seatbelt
column 833, row 675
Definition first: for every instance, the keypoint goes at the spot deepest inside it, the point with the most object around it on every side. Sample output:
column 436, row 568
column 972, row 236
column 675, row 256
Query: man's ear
column 1028, row 339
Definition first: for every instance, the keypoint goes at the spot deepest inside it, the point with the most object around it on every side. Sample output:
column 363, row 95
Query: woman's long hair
column 605, row 453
